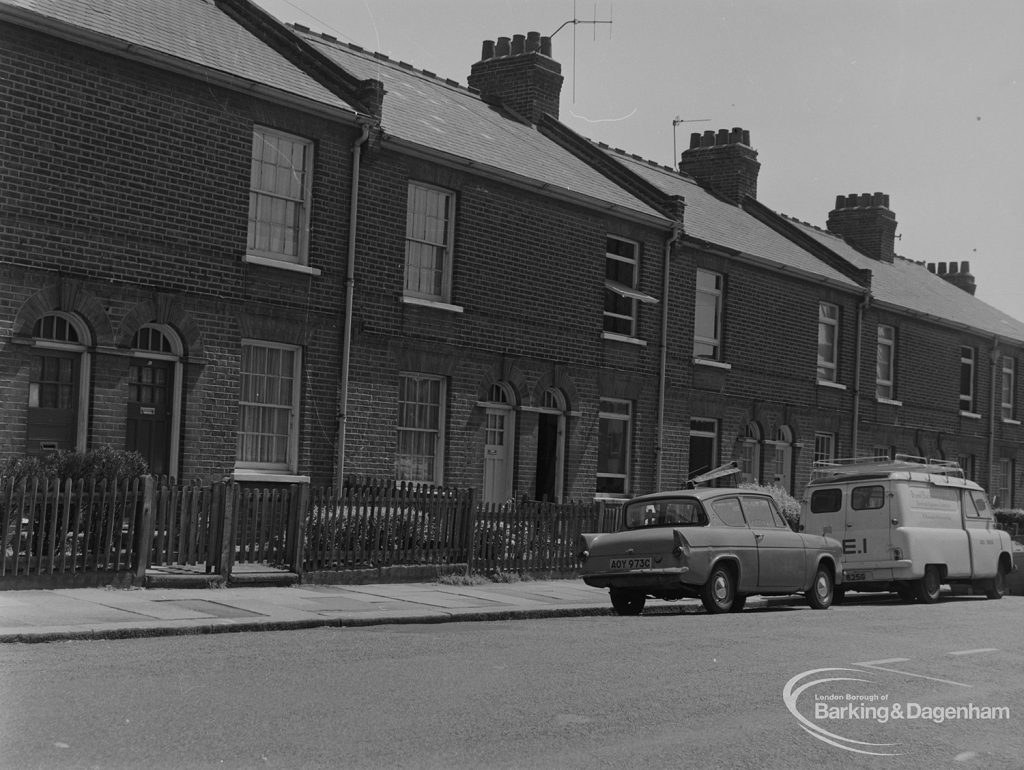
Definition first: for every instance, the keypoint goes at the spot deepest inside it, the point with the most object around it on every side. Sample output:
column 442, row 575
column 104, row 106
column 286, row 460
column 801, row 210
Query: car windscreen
column 683, row 512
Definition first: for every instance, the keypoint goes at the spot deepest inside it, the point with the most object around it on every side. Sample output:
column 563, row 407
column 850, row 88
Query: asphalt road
column 667, row 690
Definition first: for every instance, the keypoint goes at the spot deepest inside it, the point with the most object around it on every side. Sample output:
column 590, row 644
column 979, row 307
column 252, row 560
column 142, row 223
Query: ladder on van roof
column 850, row 466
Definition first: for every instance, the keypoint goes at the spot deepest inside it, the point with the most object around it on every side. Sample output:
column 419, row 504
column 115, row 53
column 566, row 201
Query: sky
column 920, row 99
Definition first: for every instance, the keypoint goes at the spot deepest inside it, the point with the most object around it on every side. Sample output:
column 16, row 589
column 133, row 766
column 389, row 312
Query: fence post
column 470, row 530
column 297, row 527
column 144, row 533
column 227, row 531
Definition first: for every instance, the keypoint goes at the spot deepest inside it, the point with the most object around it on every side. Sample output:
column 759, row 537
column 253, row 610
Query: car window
column 729, row 512
column 826, row 500
column 759, row 513
column 677, row 513
column 980, row 507
column 867, row 498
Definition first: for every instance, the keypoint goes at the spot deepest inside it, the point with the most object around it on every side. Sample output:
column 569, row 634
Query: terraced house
column 346, row 266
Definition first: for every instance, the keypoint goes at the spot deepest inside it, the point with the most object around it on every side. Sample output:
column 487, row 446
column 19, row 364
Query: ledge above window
column 280, row 264
column 432, row 303
column 712, row 363
column 830, row 384
column 623, row 338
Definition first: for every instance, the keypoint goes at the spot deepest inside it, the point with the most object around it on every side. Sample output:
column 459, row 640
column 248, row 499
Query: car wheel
column 738, row 602
column 996, row 587
column 628, row 602
column 927, row 588
column 838, row 595
column 820, row 595
column 719, row 593
column 906, row 592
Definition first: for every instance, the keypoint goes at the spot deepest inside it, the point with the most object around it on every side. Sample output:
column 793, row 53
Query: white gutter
column 663, row 364
column 350, row 280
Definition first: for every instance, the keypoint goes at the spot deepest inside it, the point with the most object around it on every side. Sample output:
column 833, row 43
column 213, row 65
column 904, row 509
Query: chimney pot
column 488, row 50
column 545, row 45
column 694, row 141
column 723, row 136
column 878, row 199
column 840, row 201
column 942, row 268
column 502, row 48
column 532, row 42
column 518, row 44
column 746, row 138
column 865, row 199
column 736, row 137
column 708, row 140
column 931, row 267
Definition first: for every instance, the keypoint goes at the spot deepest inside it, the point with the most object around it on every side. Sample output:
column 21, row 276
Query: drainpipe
column 862, row 306
column 662, row 375
column 992, row 417
column 350, row 280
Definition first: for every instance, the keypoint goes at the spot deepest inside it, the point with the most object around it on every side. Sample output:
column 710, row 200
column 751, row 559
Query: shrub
column 103, row 463
column 788, row 504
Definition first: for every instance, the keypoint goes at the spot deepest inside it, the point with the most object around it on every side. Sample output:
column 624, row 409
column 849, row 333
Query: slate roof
column 194, row 31
column 713, row 220
column 442, row 116
column 912, row 286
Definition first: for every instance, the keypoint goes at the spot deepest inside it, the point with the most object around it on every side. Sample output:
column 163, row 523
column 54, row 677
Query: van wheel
column 627, row 602
column 719, row 593
column 996, row 587
column 906, row 592
column 927, row 588
column 822, row 590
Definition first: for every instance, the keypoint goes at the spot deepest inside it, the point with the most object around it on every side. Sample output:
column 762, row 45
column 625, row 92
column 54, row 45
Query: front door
column 150, row 387
column 53, row 402
column 499, row 433
column 548, row 460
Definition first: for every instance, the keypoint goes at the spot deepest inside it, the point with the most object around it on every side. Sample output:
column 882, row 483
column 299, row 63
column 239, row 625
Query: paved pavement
column 115, row 613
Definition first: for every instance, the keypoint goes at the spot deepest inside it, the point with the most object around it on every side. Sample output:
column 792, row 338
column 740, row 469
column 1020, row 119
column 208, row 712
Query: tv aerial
column 576, row 21
column 675, row 122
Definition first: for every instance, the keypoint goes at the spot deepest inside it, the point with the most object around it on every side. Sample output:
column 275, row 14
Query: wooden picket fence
column 62, row 532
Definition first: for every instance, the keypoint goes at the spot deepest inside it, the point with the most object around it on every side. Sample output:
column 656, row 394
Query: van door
column 868, row 536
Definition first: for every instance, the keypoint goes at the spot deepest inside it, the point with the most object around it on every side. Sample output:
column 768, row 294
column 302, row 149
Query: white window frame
column 699, row 429
column 885, row 357
column 432, row 435
column 828, row 322
column 622, row 290
column 1007, row 387
column 418, row 211
column 824, row 447
column 967, row 357
column 263, row 402
column 615, row 410
column 260, row 248
column 713, row 295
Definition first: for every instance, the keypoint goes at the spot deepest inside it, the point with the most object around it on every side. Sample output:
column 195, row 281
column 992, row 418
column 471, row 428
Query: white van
column 907, row 525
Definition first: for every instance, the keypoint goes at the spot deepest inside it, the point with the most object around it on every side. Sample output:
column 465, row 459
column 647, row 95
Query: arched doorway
column 550, row 469
column 749, row 454
column 58, row 391
column 154, row 390
column 780, row 449
column 499, row 443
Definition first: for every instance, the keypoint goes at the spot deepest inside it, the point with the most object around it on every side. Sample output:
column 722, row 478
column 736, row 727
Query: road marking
column 974, row 652
column 887, row 660
column 907, row 673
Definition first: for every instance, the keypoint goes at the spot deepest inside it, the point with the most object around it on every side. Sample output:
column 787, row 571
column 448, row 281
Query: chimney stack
column 958, row 274
column 724, row 162
column 866, row 222
column 520, row 72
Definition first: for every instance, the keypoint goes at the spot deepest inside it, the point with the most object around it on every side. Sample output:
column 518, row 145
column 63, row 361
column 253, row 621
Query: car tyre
column 719, row 593
column 822, row 590
column 838, row 595
column 996, row 587
column 627, row 602
column 738, row 602
column 927, row 588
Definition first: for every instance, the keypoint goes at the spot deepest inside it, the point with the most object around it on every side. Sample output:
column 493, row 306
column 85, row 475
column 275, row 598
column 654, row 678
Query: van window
column 826, row 500
column 980, row 507
column 759, row 513
column 867, row 498
column 729, row 512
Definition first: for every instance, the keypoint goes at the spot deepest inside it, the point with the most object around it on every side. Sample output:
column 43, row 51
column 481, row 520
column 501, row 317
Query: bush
column 788, row 504
column 103, row 463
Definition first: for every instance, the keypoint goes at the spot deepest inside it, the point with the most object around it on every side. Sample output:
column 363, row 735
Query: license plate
column 853, row 577
column 632, row 563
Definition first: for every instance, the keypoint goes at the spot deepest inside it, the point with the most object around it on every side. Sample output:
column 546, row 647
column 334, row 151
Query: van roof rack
column 849, row 466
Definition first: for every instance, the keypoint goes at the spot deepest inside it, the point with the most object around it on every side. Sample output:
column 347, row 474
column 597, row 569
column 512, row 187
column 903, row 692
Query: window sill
column 432, row 303
column 280, row 264
column 889, row 401
column 712, row 363
column 970, row 415
column 623, row 338
column 1010, row 422
column 828, row 384
column 268, row 477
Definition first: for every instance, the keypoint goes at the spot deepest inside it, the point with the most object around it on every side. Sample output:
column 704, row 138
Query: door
column 498, row 454
column 53, row 402
column 548, row 457
column 781, row 561
column 868, row 535
column 150, row 389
